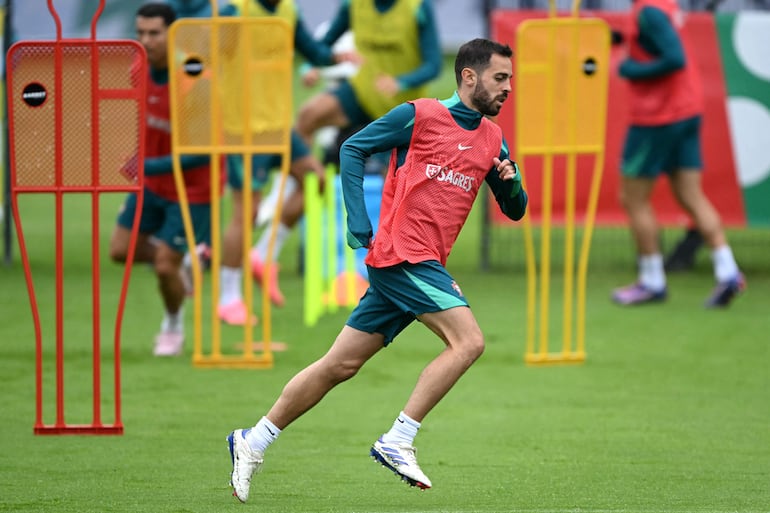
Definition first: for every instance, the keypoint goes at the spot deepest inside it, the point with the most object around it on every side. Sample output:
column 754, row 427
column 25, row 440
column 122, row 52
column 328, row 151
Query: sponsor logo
column 444, row 174
column 462, row 148
column 456, row 288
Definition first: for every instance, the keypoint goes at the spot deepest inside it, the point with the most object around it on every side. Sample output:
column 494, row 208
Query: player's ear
column 469, row 76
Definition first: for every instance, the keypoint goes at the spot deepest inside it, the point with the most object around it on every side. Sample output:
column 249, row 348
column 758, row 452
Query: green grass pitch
column 669, row 414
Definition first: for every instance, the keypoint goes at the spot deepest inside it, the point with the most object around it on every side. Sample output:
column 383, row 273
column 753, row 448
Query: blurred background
column 459, row 20
column 730, row 39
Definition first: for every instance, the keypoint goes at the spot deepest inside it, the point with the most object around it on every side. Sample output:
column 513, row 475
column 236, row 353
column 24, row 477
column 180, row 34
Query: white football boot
column 402, row 460
column 246, row 463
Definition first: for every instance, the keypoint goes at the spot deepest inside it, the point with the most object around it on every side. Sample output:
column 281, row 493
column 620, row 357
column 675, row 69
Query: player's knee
column 312, row 116
column 165, row 268
column 118, row 249
column 471, row 348
column 117, row 254
column 346, row 369
column 694, row 202
column 341, row 370
column 476, row 346
column 305, row 121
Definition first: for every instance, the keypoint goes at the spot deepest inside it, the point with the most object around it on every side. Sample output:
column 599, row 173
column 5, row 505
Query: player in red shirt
column 161, row 240
column 441, row 153
column 664, row 137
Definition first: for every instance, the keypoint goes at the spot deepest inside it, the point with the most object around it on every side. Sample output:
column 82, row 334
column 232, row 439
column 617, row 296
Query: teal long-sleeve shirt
column 394, row 130
column 659, row 38
column 430, row 48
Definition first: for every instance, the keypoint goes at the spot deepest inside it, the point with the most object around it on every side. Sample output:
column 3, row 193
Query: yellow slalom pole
column 246, row 197
column 545, row 254
column 547, row 199
column 531, row 262
column 330, row 204
column 313, row 252
column 570, row 193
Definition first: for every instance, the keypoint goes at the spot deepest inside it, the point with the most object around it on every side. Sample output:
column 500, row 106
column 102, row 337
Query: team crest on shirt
column 432, row 170
column 456, row 288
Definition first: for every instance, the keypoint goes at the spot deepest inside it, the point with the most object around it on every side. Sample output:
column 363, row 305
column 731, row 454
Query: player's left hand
column 508, row 170
column 311, row 77
column 387, row 85
column 356, row 242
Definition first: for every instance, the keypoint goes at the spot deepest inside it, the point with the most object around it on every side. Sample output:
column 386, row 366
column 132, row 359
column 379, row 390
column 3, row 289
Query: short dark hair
column 476, row 54
column 158, row 10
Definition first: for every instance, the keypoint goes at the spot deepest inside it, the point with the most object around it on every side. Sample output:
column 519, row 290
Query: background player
column 161, row 239
column 666, row 113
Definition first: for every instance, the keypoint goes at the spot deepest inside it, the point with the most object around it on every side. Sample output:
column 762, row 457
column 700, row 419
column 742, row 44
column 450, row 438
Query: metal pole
column 7, row 231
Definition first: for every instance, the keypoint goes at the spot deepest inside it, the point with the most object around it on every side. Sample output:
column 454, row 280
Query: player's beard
column 485, row 103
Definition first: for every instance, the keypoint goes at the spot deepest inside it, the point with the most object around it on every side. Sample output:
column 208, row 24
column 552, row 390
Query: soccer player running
column 441, row 152
column 161, row 239
column 666, row 110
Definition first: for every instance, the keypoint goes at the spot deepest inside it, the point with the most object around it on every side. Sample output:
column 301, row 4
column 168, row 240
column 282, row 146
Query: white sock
column 230, row 282
column 403, row 431
column 288, row 189
column 281, row 234
column 173, row 321
column 725, row 267
column 262, row 435
column 291, row 186
column 651, row 273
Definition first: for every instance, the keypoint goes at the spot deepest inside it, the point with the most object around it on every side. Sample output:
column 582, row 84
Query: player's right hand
column 509, row 170
column 387, row 85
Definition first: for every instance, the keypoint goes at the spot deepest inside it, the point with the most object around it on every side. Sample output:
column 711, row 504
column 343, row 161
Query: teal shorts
column 350, row 104
column 398, row 294
column 262, row 164
column 162, row 218
column 652, row 150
